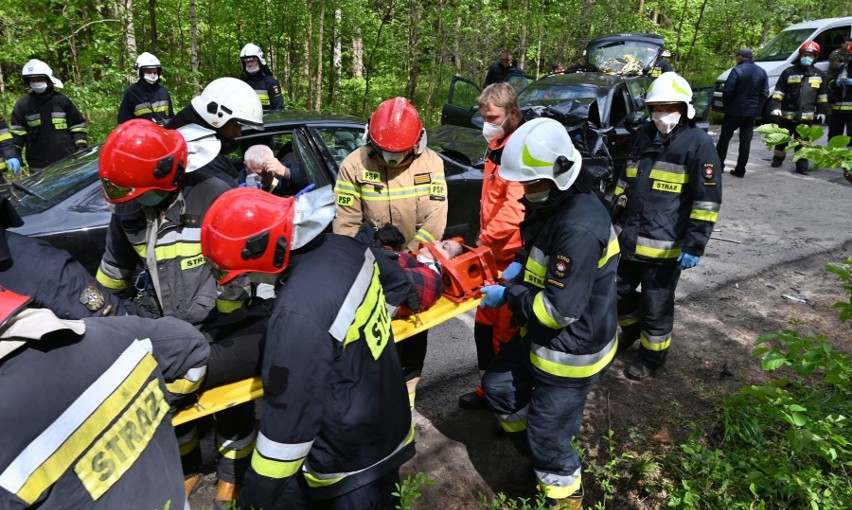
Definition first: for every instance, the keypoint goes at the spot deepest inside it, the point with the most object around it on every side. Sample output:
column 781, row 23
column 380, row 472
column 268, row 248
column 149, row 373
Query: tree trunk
column 680, row 24
column 413, row 67
column 695, row 34
column 193, row 47
column 132, row 51
column 319, row 52
column 336, row 56
column 358, row 54
column 457, row 63
column 152, row 11
column 309, row 52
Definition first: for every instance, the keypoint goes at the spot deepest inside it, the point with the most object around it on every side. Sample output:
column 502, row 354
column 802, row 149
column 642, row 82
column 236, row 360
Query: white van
column 783, row 49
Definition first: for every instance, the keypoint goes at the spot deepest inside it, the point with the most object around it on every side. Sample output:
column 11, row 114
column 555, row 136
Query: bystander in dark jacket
column 746, row 89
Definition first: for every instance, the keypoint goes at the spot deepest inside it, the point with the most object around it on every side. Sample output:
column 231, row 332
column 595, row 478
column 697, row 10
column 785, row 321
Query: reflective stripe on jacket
column 144, row 101
column 674, row 192
column 335, row 405
column 566, row 296
column 267, row 88
column 49, row 126
column 412, row 198
column 85, row 413
column 169, row 246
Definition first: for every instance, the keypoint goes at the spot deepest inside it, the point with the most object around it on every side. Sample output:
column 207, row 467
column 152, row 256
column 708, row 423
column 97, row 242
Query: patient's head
column 448, row 249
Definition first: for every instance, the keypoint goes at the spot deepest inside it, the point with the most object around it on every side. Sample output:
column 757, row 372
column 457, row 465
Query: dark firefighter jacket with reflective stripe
column 49, row 126
column 84, row 416
column 800, row 93
column 566, row 293
column 168, row 244
column 413, row 197
column 674, row 192
column 841, row 95
column 267, row 89
column 7, row 146
column 56, row 281
column 144, row 101
column 335, row 405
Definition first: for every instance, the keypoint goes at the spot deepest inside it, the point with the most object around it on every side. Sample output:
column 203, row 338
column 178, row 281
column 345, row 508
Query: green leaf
column 773, row 361
column 815, row 133
column 803, row 130
column 839, row 142
column 777, row 138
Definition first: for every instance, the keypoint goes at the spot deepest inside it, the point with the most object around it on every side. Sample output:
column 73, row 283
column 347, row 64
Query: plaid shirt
column 427, row 283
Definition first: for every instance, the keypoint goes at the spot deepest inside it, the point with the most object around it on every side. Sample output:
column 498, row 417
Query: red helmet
column 247, row 230
column 10, row 304
column 811, row 46
column 140, row 156
column 395, row 126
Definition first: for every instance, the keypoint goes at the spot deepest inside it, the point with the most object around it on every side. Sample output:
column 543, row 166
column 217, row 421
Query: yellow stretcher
column 228, row 395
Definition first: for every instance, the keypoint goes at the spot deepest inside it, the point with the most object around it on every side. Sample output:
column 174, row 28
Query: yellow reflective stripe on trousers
column 576, row 366
column 559, row 486
column 536, row 267
column 236, row 449
column 278, row 460
column 657, row 249
column 514, row 422
column 655, row 343
column 546, row 313
column 612, row 248
column 50, row 455
column 317, row 480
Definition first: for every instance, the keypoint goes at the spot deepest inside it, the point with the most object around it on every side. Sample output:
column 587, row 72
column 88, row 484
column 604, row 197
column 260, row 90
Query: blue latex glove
column 14, row 164
column 688, row 260
column 847, row 81
column 512, row 271
column 493, row 296
column 304, row 190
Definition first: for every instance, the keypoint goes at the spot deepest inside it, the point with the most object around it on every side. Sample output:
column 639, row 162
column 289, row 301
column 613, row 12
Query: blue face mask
column 806, row 61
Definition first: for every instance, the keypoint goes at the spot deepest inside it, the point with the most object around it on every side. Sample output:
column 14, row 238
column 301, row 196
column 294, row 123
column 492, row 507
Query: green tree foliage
column 384, row 48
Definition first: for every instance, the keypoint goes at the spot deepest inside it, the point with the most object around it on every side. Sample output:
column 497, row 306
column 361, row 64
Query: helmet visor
column 221, row 275
column 115, row 193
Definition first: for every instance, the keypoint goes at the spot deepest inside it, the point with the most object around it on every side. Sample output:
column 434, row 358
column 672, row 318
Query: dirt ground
column 711, row 356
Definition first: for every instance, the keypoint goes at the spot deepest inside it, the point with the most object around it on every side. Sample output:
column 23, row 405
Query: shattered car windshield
column 549, row 94
column 623, row 57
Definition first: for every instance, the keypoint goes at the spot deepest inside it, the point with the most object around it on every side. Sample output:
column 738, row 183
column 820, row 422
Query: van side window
column 830, row 40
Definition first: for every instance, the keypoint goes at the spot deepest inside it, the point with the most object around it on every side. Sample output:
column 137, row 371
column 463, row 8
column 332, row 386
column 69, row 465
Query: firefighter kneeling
column 336, row 423
column 565, row 300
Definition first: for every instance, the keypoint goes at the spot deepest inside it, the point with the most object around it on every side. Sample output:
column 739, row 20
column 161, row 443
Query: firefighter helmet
column 541, row 149
column 809, row 46
column 224, row 99
column 252, row 50
column 671, row 88
column 148, row 60
column 11, row 303
column 395, row 128
column 139, row 156
column 247, row 230
column 35, row 68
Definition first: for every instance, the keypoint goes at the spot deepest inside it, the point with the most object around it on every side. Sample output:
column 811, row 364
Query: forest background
column 348, row 55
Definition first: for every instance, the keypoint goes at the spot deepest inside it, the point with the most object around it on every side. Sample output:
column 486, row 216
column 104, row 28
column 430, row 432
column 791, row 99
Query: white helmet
column 148, row 60
column 541, row 149
column 671, row 88
column 36, row 67
column 252, row 50
column 224, row 99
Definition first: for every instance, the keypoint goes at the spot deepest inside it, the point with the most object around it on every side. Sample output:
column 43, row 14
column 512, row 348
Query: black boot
column 776, row 162
column 738, row 172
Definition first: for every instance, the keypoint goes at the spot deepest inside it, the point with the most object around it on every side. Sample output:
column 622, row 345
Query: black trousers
column 376, row 495
column 656, row 302
column 730, row 124
column 779, row 153
column 840, row 123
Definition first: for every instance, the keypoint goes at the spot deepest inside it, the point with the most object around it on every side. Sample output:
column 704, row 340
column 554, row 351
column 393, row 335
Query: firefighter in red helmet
column 800, row 97
column 395, row 179
column 335, row 425
column 145, row 171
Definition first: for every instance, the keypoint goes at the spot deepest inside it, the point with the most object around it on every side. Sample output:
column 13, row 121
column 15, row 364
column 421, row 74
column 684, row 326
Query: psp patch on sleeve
column 561, row 266
column 345, row 200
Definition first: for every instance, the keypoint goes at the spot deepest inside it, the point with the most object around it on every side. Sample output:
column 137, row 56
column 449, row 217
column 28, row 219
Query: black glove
column 389, row 235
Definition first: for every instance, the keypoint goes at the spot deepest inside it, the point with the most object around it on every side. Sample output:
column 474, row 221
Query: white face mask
column 493, row 132
column 252, row 69
column 151, row 78
column 393, row 159
column 538, row 196
column 665, row 122
column 39, row 87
